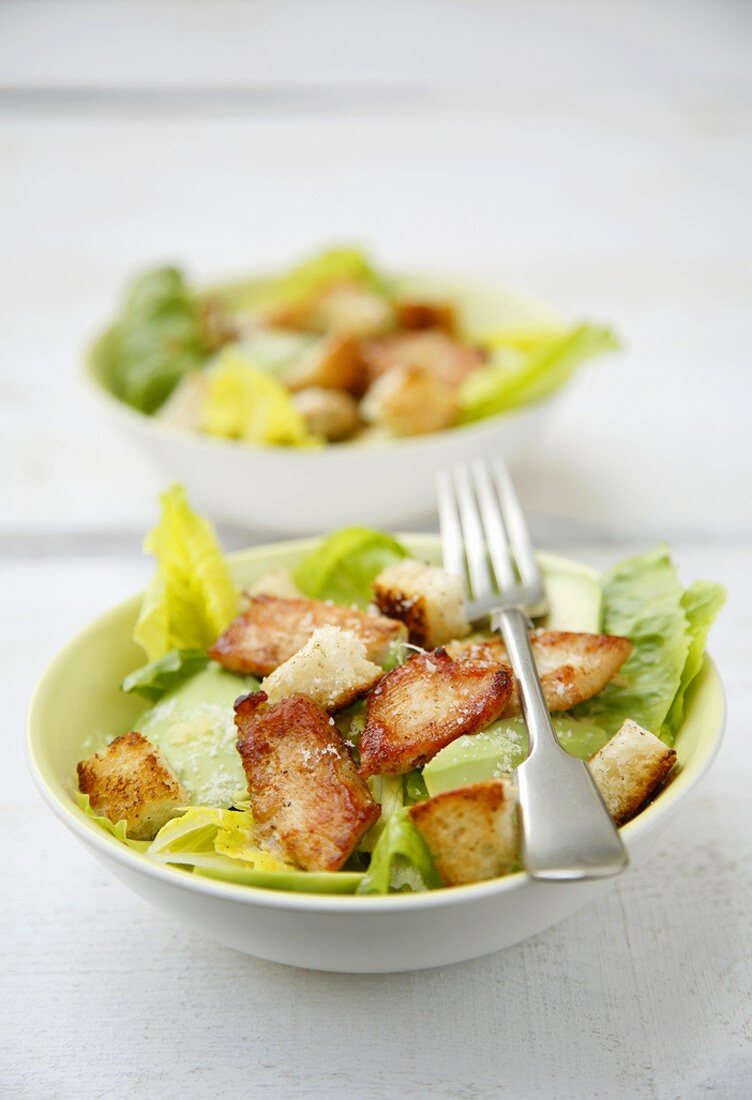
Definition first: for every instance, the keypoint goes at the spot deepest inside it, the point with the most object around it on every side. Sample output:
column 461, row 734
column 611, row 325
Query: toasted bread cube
column 331, row 668
column 433, row 351
column 425, row 704
column 332, row 414
column 310, row 806
column 629, row 769
column 471, row 831
column 342, row 307
column 131, row 781
column 419, row 315
column 572, row 666
column 184, row 407
column 429, row 601
column 272, row 629
column 410, row 401
column 334, row 363
column 277, row 582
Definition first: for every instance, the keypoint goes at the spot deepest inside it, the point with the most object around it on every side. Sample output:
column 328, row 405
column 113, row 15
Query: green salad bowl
column 79, row 698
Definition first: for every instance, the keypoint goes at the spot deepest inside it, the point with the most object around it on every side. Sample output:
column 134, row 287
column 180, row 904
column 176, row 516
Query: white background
column 596, row 153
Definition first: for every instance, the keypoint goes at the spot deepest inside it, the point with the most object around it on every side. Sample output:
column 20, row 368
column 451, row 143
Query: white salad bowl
column 384, row 483
column 79, row 697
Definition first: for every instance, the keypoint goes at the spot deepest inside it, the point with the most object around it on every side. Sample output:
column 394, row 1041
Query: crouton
column 419, row 315
column 410, row 400
column 333, row 363
column 131, row 781
column 332, row 414
column 433, row 351
column 425, row 704
column 629, row 769
column 273, row 628
column 331, row 668
column 310, row 806
column 184, row 407
column 342, row 307
column 277, row 582
column 471, row 831
column 572, row 667
column 430, row 602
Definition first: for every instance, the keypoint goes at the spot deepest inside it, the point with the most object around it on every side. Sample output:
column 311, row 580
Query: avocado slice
column 194, row 726
column 575, row 597
column 496, row 752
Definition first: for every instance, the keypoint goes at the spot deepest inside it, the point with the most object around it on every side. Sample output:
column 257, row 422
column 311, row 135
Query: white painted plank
column 533, row 51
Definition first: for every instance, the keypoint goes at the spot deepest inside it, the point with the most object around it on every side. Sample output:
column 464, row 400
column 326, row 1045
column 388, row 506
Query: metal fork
column 567, row 832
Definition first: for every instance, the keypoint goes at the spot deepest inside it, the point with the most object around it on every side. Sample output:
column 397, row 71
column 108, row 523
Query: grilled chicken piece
column 432, row 351
column 272, row 628
column 334, row 363
column 310, row 806
column 131, row 781
column 572, row 667
column 629, row 769
column 418, row 315
column 423, row 705
column 471, row 831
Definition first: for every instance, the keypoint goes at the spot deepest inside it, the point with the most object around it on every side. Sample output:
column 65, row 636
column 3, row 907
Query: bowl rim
column 105, row 845
column 149, row 424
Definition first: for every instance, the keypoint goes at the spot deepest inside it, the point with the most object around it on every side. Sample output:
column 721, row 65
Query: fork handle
column 567, row 832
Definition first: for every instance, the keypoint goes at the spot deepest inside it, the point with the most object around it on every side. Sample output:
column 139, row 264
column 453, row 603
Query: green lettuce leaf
column 114, row 828
column 191, row 599
column 218, row 843
column 401, row 860
column 643, row 602
column 153, row 680
column 343, row 566
column 157, row 341
column 314, row 275
column 538, row 372
column 243, row 401
column 701, row 603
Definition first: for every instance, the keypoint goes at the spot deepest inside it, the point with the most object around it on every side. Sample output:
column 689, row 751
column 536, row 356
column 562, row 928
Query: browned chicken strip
column 572, row 667
column 425, row 704
column 273, row 628
column 310, row 806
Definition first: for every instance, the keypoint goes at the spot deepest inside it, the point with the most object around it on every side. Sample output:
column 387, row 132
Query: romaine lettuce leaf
column 218, row 843
column 153, row 680
column 157, row 341
column 314, row 275
column 701, row 603
column 114, row 828
column 343, row 566
column 246, row 402
column 542, row 369
column 401, row 860
column 643, row 601
column 192, row 598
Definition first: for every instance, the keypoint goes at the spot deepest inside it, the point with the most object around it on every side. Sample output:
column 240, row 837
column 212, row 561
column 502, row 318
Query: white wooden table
column 597, row 153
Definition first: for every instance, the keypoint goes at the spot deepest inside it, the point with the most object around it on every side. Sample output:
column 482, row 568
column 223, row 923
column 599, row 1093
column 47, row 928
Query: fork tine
column 516, row 527
column 475, row 544
column 449, row 525
column 497, row 540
